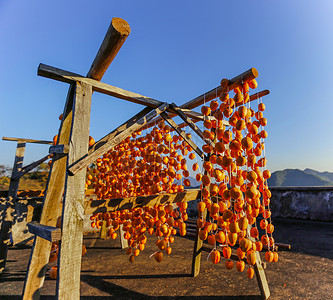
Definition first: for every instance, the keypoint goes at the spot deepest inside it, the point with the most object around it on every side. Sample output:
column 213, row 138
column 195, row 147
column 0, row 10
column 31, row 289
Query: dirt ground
column 305, row 272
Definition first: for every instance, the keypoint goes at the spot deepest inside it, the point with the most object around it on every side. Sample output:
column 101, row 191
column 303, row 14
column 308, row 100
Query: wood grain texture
column 70, row 248
column 115, row 138
column 24, row 140
column 101, row 206
column 214, row 93
column 51, row 208
column 260, row 271
column 7, row 215
column 172, row 123
column 49, row 233
column 97, row 86
column 115, row 37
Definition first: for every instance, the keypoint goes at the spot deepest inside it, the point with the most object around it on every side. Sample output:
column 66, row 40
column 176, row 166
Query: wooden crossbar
column 49, row 233
column 26, row 169
column 24, row 140
column 102, row 206
column 97, row 86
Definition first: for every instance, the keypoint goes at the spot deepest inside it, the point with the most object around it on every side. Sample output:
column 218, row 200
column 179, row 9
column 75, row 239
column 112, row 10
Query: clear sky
column 176, row 51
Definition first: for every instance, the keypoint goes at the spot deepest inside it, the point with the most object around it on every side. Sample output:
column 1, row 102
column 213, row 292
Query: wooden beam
column 23, row 140
column 101, row 206
column 51, row 207
column 214, row 93
column 172, row 123
column 190, row 123
column 49, row 233
column 115, row 138
column 7, row 215
column 26, row 169
column 97, row 86
column 62, row 149
column 115, row 37
column 259, row 270
column 55, row 186
column 70, row 247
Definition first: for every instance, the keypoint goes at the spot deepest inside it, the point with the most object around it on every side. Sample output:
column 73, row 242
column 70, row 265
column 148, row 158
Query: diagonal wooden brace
column 173, row 124
column 116, row 137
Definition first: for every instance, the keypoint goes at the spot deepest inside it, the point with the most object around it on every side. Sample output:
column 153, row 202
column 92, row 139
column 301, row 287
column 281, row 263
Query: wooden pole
column 70, row 248
column 54, row 191
column 115, row 37
column 7, row 215
column 23, row 140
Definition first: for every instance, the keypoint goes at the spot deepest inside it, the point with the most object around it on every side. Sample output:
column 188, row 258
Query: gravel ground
column 305, row 272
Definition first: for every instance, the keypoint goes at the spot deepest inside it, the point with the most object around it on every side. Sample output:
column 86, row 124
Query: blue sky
column 176, row 51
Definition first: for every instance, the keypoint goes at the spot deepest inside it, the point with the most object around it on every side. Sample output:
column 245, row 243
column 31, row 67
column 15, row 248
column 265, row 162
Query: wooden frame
column 67, row 175
column 8, row 214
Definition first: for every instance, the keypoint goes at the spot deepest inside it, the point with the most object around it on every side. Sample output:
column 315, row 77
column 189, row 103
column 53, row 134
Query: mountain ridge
column 296, row 177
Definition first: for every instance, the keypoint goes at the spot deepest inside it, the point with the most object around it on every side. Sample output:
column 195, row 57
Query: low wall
column 307, row 203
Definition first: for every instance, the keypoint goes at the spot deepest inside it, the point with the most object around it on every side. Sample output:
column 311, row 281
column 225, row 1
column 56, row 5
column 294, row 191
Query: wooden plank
column 172, row 123
column 112, row 140
column 115, row 37
column 212, row 94
column 27, row 140
column 51, row 208
column 198, row 243
column 7, row 214
column 63, row 149
column 196, row 258
column 103, row 231
column 70, row 247
column 259, row 271
column 52, row 234
column 26, row 169
column 101, row 206
column 97, row 86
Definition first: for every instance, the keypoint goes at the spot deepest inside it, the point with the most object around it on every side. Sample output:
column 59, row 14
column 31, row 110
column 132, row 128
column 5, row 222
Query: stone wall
column 307, row 203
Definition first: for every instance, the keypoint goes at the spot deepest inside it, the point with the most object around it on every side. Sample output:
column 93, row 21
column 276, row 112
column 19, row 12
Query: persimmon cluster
column 234, row 183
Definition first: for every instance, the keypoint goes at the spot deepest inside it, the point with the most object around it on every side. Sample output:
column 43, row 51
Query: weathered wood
column 97, row 86
column 70, row 247
column 111, row 140
column 49, row 233
column 7, row 214
column 102, row 206
column 51, row 208
column 123, row 241
column 115, row 37
column 196, row 258
column 63, row 149
column 172, row 123
column 190, row 123
column 259, row 270
column 103, row 231
column 212, row 94
column 27, row 140
column 26, row 169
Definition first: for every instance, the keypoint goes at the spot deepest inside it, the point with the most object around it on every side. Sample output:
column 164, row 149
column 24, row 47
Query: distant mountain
column 295, row 177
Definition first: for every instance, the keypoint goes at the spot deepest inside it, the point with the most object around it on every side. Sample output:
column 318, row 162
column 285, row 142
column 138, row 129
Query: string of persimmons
column 233, row 180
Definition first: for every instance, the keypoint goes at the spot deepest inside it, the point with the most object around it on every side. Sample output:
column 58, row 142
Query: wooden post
column 259, row 270
column 40, row 253
column 123, row 241
column 7, row 215
column 70, row 247
column 55, row 187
